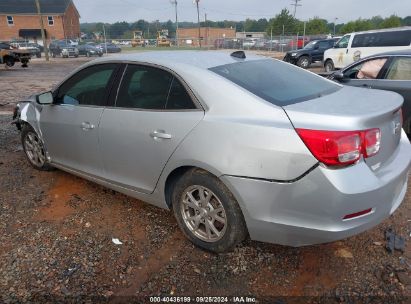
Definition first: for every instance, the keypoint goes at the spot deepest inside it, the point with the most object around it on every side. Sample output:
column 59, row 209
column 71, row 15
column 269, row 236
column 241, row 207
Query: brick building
column 208, row 35
column 19, row 20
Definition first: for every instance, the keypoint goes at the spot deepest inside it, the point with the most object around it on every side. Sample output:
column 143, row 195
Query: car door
column 154, row 111
column 318, row 52
column 340, row 54
column 70, row 125
column 397, row 78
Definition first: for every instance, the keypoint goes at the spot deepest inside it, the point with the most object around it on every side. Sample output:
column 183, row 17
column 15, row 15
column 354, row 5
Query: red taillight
column 341, row 148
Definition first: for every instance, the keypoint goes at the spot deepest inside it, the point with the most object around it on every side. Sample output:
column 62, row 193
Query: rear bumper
column 311, row 210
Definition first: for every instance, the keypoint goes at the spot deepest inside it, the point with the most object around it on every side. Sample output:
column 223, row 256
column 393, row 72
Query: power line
column 296, row 4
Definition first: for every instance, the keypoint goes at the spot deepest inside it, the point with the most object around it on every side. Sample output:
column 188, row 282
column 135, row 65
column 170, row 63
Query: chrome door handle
column 160, row 134
column 87, row 126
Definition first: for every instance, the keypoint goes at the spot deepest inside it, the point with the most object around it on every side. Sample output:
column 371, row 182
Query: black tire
column 304, row 62
column 329, row 65
column 38, row 55
column 75, row 56
column 235, row 228
column 25, row 132
column 9, row 61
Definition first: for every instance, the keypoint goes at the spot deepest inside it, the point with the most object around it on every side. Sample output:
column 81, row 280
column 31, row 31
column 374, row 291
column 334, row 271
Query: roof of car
column 200, row 59
column 406, row 52
column 404, row 28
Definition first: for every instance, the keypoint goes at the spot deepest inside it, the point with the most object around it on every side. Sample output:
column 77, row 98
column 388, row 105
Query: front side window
column 366, row 70
column 276, row 82
column 87, row 87
column 343, row 42
column 400, row 69
column 10, row 20
column 50, row 20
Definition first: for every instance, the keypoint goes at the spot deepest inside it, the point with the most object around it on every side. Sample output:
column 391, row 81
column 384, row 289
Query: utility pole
column 206, row 28
column 305, row 26
column 105, row 39
column 335, row 22
column 174, row 2
column 296, row 4
column 198, row 18
column 43, row 33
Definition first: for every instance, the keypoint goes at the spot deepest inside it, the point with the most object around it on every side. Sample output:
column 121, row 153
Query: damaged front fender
column 28, row 111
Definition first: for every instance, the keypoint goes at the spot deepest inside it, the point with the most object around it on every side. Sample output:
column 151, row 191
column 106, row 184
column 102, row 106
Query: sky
column 150, row 10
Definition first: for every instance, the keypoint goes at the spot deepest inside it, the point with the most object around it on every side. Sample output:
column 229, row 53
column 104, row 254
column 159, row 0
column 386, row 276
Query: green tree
column 392, row 21
column 356, row 26
column 406, row 21
column 282, row 19
column 316, row 26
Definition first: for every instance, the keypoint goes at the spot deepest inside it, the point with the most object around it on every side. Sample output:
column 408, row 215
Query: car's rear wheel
column 329, row 65
column 34, row 149
column 303, row 62
column 207, row 212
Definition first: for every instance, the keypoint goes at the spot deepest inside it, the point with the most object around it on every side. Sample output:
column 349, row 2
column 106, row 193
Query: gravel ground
column 56, row 235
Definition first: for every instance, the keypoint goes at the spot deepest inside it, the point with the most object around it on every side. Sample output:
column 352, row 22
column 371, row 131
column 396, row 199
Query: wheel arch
column 175, row 174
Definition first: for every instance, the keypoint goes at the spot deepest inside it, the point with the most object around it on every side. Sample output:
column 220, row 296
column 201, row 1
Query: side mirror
column 45, row 98
column 338, row 75
column 316, row 47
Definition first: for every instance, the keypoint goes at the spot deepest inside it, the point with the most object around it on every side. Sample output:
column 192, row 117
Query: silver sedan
column 235, row 145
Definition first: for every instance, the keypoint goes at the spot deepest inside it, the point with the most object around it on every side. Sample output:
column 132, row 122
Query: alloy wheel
column 34, row 149
column 203, row 213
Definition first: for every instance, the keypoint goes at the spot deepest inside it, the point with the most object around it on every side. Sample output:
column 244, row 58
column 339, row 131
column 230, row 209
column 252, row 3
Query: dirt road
column 56, row 234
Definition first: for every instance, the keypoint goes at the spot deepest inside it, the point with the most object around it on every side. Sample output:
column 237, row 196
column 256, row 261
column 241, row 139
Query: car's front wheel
column 303, row 62
column 329, row 65
column 34, row 149
column 207, row 212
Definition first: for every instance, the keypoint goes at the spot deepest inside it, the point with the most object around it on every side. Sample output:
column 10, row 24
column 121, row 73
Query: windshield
column 279, row 83
column 310, row 45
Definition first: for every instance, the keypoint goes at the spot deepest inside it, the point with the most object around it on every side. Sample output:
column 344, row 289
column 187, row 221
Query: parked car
column 9, row 55
column 298, row 43
column 352, row 47
column 36, row 45
column 89, row 50
column 312, row 52
column 111, row 48
column 389, row 71
column 34, row 51
column 249, row 43
column 235, row 145
column 63, row 49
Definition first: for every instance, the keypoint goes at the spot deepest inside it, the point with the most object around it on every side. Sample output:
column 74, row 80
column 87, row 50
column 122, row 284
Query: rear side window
column 382, row 39
column 279, row 83
column 144, row 87
column 400, row 69
column 150, row 88
column 323, row 45
column 179, row 99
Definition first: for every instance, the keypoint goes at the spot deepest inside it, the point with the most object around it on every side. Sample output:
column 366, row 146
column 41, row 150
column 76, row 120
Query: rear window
column 279, row 83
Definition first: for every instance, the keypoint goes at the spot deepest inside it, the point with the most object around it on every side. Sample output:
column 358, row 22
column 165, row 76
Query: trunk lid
column 352, row 109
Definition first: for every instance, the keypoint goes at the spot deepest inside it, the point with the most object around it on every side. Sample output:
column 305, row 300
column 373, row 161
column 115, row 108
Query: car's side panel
column 133, row 156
